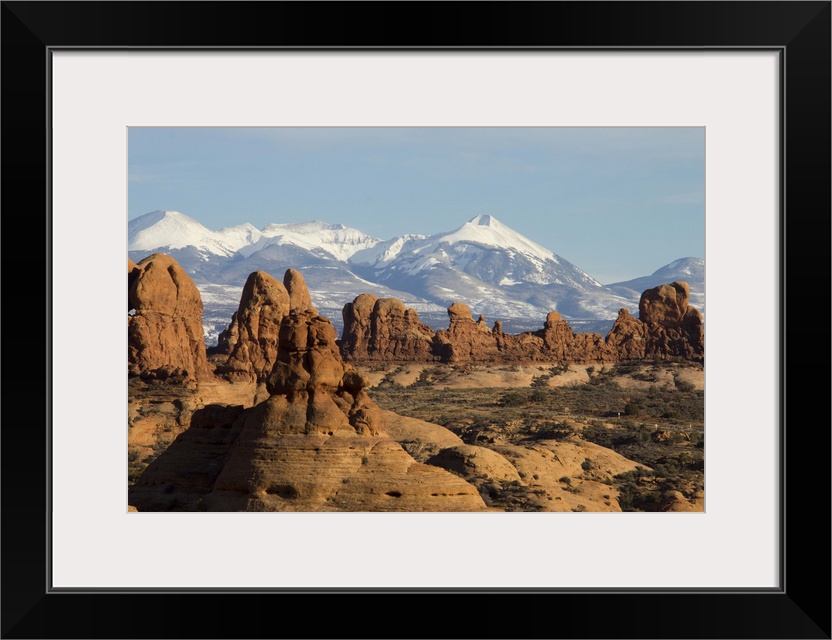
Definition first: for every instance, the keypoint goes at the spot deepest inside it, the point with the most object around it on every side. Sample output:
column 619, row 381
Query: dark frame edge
column 23, row 118
column 805, row 176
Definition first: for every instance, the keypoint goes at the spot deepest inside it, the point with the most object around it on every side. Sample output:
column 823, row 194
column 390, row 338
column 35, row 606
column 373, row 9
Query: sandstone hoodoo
column 165, row 333
column 299, row 297
column 464, row 339
column 563, row 344
column 384, row 330
column 667, row 326
column 628, row 337
column 468, row 341
column 318, row 443
column 674, row 328
column 251, row 340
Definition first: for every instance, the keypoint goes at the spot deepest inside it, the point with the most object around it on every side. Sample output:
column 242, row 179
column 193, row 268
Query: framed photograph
column 81, row 78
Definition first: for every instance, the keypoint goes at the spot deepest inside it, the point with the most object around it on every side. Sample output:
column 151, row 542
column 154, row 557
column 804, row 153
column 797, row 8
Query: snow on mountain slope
column 174, row 230
column 386, row 251
column 336, row 240
column 487, row 230
column 219, row 301
column 690, row 270
column 484, row 248
column 483, row 230
column 238, row 237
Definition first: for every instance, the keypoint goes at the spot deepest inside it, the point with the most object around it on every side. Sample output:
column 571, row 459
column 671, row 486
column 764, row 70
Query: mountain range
column 484, row 263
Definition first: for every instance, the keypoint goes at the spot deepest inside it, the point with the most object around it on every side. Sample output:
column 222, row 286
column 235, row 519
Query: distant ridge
column 483, row 263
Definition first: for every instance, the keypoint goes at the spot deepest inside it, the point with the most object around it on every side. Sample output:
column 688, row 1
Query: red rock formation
column 383, row 329
column 316, row 444
column 674, row 328
column 564, row 345
column 228, row 337
column 299, row 297
column 667, row 326
column 465, row 340
column 165, row 333
column 628, row 337
column 357, row 332
column 251, row 340
column 132, row 272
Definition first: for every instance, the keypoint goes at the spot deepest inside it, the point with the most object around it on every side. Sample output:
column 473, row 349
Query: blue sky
column 617, row 202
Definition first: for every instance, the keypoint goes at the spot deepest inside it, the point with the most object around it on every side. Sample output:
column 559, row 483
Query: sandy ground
column 479, row 376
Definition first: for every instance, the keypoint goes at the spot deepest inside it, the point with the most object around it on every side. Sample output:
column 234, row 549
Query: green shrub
column 633, row 409
column 513, row 399
column 538, row 395
column 684, row 385
column 424, row 379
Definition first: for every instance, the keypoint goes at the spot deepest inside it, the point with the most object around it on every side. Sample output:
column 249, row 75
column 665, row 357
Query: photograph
column 416, row 319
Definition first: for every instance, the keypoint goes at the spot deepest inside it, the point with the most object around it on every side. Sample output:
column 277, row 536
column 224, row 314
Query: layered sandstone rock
column 465, row 340
column 132, row 272
column 299, row 297
column 165, row 333
column 357, row 332
column 251, row 340
column 674, row 328
column 562, row 344
column 317, row 444
column 628, row 337
column 473, row 462
column 667, row 326
column 383, row 329
column 227, row 339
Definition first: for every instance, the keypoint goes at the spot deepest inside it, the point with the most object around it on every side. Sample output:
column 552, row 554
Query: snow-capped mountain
column 328, row 240
column 174, row 230
column 690, row 270
column 488, row 266
column 482, row 247
column 484, row 263
column 386, row 251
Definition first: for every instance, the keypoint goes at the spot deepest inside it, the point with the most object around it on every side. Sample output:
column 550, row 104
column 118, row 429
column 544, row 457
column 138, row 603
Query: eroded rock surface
column 251, row 340
column 164, row 328
column 318, row 443
column 384, row 330
column 465, row 339
column 667, row 326
column 628, row 337
column 674, row 328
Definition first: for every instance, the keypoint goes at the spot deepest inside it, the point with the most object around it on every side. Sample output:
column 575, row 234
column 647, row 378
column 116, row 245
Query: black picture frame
column 800, row 31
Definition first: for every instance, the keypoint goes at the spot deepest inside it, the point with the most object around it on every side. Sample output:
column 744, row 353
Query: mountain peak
column 168, row 213
column 484, row 221
column 689, row 262
column 164, row 229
